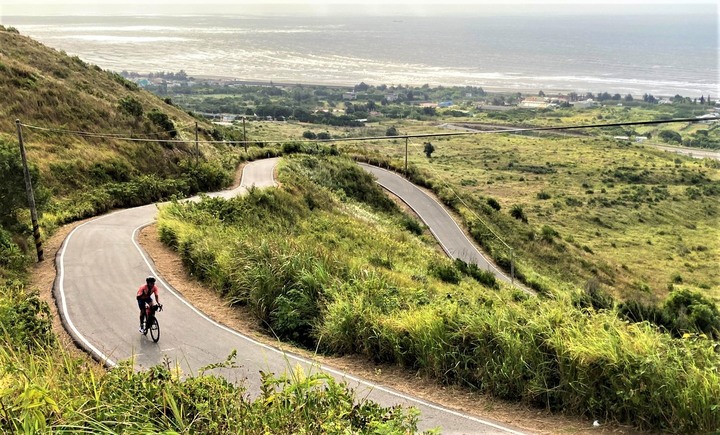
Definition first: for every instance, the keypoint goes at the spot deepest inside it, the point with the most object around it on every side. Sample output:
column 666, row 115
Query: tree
column 428, row 149
column 649, row 98
column 670, row 136
column 324, row 135
column 362, row 87
column 309, row 135
column 391, row 131
column 628, row 98
column 541, row 94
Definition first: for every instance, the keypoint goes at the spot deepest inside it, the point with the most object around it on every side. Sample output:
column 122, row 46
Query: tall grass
column 342, row 277
column 50, row 392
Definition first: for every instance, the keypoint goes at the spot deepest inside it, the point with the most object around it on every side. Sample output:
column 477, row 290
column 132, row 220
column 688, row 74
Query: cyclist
column 144, row 297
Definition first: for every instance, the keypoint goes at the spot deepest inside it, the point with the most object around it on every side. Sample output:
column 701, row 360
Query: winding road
column 100, row 265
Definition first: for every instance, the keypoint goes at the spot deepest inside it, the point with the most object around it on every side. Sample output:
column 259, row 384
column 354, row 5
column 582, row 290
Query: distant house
column 640, row 138
column 431, row 105
column 584, row 104
column 665, row 101
column 391, row 97
column 708, row 117
column 349, row 96
column 536, row 103
column 621, row 137
column 445, row 104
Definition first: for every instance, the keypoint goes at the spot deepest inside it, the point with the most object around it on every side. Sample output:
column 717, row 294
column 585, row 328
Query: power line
column 366, row 138
column 88, row 133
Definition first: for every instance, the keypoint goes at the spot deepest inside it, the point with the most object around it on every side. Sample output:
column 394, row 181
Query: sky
column 345, row 7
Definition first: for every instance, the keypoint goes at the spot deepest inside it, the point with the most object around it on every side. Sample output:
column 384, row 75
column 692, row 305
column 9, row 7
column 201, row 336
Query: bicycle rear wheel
column 155, row 330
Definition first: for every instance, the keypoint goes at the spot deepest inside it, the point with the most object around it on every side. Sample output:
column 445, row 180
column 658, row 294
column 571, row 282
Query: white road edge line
column 498, row 272
column 61, row 288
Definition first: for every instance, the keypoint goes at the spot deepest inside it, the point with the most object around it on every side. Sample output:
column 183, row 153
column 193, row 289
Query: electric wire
column 366, row 138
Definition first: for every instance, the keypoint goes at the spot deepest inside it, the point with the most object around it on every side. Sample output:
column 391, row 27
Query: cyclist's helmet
column 150, row 280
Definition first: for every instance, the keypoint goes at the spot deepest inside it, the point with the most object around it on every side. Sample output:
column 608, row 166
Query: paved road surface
column 100, row 266
column 697, row 153
column 452, row 239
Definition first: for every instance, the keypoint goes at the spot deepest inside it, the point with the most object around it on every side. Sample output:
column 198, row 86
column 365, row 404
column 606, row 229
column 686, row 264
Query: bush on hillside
column 131, row 106
column 13, row 195
column 689, row 311
column 25, row 318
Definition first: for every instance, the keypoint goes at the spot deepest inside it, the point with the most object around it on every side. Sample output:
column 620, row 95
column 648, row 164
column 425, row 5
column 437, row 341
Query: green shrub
column 163, row 121
column 444, row 271
column 131, row 106
column 670, row 136
column 689, row 311
column 548, row 234
column 12, row 260
column 484, row 277
column 492, row 202
column 518, row 213
column 24, row 318
column 412, row 225
column 13, row 196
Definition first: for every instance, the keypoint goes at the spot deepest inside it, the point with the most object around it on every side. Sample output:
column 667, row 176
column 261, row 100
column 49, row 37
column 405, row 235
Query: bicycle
column 151, row 320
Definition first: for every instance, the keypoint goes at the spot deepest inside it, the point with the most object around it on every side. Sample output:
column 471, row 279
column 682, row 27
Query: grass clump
column 47, row 391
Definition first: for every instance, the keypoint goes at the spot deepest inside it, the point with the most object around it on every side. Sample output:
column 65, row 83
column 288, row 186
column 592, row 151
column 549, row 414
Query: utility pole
column 197, row 148
column 406, row 156
column 244, row 136
column 31, row 196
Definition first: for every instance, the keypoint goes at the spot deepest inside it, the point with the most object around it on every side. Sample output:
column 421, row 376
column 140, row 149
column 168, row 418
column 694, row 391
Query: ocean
column 663, row 55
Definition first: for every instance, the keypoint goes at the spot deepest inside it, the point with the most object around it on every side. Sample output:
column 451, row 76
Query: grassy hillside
column 80, row 111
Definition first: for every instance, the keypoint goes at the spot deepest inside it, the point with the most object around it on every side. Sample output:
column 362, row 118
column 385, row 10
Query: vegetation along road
column 101, row 264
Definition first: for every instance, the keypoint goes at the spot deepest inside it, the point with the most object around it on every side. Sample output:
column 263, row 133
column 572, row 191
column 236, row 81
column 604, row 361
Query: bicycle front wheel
column 155, row 330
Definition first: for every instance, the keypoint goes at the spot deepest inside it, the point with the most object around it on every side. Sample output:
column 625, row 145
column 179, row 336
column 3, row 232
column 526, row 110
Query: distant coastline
column 558, row 54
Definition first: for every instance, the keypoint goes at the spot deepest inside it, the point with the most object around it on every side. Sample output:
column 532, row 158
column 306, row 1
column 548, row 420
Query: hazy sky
column 332, row 7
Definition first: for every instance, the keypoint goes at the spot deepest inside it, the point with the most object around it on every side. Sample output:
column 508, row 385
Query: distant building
column 640, row 138
column 349, row 96
column 432, row 105
column 584, row 104
column 445, row 104
column 621, row 137
column 536, row 103
column 391, row 97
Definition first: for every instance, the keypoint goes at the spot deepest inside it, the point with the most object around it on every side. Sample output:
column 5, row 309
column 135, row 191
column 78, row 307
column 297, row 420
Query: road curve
column 452, row 239
column 99, row 268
